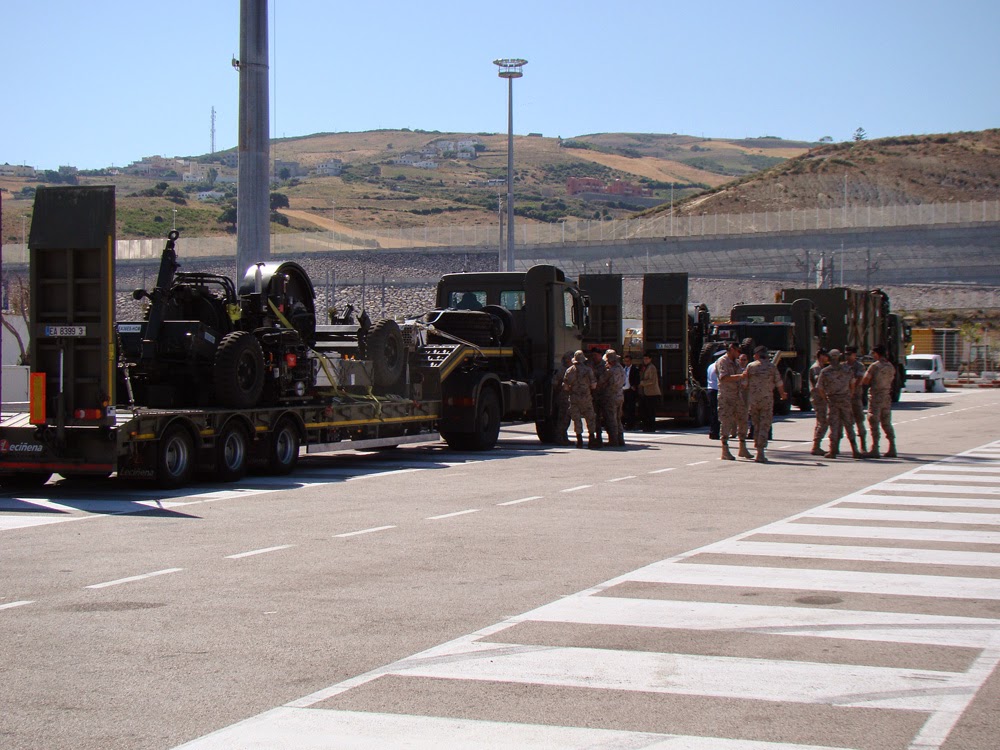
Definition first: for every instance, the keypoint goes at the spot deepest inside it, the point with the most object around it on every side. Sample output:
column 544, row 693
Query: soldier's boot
column 834, row 450
column 873, row 453
column 862, row 438
column 855, row 453
column 891, row 453
column 761, row 458
column 726, row 455
column 592, row 442
column 816, row 451
column 579, row 440
column 744, row 453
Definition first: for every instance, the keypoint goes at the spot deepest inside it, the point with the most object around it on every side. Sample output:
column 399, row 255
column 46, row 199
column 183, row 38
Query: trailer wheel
column 174, row 458
column 25, row 480
column 231, row 453
column 283, row 451
column 386, row 351
column 239, row 370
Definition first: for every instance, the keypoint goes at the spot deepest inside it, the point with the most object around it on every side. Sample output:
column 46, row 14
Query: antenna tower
column 213, row 130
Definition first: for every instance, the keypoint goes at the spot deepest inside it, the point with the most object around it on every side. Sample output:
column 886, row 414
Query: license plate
column 74, row 331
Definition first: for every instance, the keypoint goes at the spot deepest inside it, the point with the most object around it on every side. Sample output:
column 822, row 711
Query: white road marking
column 954, row 489
column 377, row 474
column 902, row 516
column 452, row 515
column 871, row 554
column 11, row 605
column 697, row 463
column 362, row 531
column 661, row 471
column 884, row 532
column 930, row 500
column 578, row 487
column 621, row 479
column 362, row 730
column 258, row 552
column 131, row 579
column 522, row 500
column 894, row 627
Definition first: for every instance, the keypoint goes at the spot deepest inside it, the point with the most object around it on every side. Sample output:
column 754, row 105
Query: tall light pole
column 510, row 68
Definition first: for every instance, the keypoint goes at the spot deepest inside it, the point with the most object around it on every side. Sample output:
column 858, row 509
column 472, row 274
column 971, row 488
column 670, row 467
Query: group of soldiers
column 746, row 400
column 591, row 392
column 837, row 383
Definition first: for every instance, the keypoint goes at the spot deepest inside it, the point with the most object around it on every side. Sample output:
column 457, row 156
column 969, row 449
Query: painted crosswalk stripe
column 358, row 730
column 883, row 532
column 930, row 500
column 870, row 554
column 895, row 627
column 903, row 516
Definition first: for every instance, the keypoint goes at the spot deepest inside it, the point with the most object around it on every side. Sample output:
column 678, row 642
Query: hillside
column 952, row 167
column 374, row 193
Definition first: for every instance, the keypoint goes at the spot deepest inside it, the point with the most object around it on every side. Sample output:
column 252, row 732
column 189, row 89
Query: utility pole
column 253, row 242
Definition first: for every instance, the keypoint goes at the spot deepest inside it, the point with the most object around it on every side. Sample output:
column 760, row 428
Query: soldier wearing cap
column 579, row 382
column 880, row 376
column 762, row 378
column 835, row 384
column 819, row 403
column 610, row 397
column 732, row 407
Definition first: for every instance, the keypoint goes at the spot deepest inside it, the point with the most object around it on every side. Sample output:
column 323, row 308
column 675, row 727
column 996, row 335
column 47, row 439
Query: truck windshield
column 467, row 300
column 915, row 363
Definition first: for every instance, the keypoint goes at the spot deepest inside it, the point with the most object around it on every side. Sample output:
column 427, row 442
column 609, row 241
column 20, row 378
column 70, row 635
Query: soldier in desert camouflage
column 762, row 378
column 836, row 384
column 579, row 383
column 880, row 376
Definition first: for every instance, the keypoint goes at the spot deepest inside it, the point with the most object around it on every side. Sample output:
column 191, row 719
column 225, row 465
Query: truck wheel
column 25, row 480
column 699, row 413
column 486, row 429
column 546, row 430
column 231, row 454
column 174, row 458
column 386, row 351
column 283, row 452
column 238, row 374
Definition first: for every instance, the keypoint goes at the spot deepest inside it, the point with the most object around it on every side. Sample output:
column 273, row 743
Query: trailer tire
column 231, row 451
column 25, row 480
column 387, row 353
column 283, row 450
column 238, row 374
column 174, row 458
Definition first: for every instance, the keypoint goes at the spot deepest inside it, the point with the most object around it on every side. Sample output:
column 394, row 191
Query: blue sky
column 106, row 82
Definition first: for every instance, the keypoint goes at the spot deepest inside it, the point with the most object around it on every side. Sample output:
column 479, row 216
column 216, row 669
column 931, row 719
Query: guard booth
column 72, row 280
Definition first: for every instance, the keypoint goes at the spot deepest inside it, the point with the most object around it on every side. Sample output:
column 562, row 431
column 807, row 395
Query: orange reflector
column 88, row 414
column 36, row 398
column 291, row 360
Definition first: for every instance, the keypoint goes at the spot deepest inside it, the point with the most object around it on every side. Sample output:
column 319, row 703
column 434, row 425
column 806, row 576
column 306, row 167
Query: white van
column 925, row 372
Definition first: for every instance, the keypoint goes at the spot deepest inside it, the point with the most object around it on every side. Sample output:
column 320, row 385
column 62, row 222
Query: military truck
column 860, row 318
column 792, row 333
column 216, row 381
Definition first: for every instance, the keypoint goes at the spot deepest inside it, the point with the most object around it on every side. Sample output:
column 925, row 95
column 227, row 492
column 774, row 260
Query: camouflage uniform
column 597, row 367
column 560, row 401
column 579, row 383
column 610, row 399
column 820, row 405
column 880, row 376
column 835, row 380
column 732, row 405
column 762, row 379
column 857, row 406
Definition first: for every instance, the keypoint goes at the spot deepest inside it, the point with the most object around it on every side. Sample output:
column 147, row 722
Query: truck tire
column 503, row 323
column 25, row 480
column 174, row 458
column 283, row 451
column 238, row 374
column 700, row 416
column 708, row 354
column 231, row 450
column 486, row 429
column 385, row 349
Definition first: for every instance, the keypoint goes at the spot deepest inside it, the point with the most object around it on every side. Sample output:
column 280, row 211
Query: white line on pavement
column 130, row 579
column 452, row 515
column 578, row 487
column 522, row 500
column 363, row 531
column 258, row 552
column 11, row 605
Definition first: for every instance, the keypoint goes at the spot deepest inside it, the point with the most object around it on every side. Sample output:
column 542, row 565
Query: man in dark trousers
column 631, row 392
